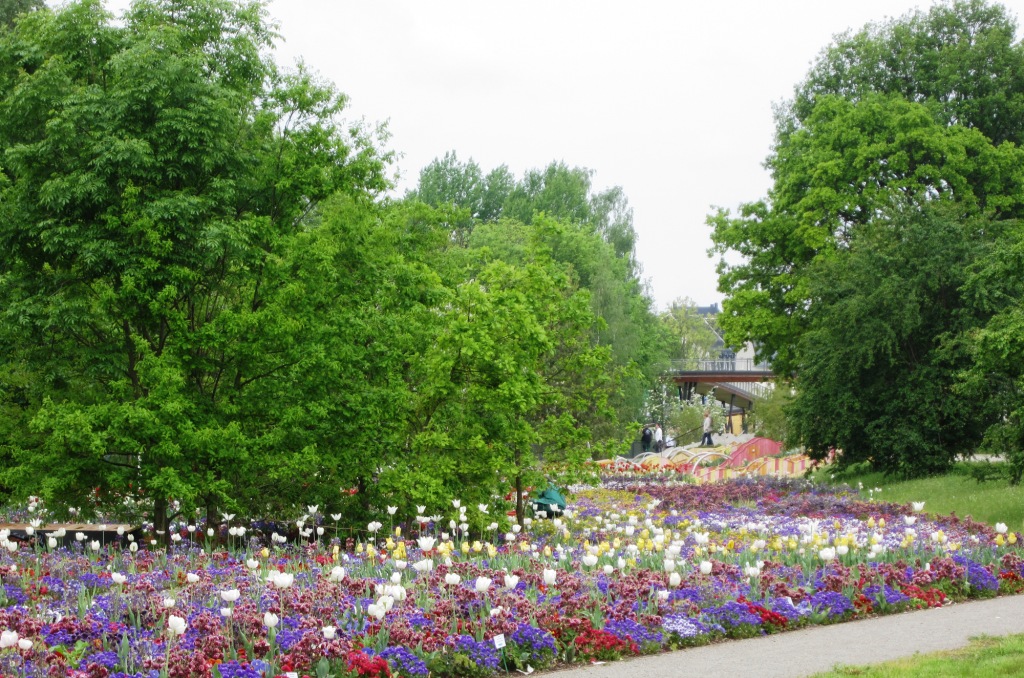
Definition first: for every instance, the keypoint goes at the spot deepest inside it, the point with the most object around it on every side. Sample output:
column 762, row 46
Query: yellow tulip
column 465, row 547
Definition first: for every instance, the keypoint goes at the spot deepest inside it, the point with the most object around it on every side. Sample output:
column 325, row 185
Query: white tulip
column 8, row 639
column 230, row 595
column 452, row 579
column 705, row 567
column 192, row 578
column 425, row 565
column 270, row 620
column 175, row 625
column 25, row 644
column 133, row 547
column 482, row 584
column 168, row 602
column 550, row 577
column 329, row 632
column 511, row 581
column 337, row 573
column 51, row 542
column 1001, row 528
column 118, row 578
column 674, row 579
column 226, row 612
column 608, row 569
column 426, row 543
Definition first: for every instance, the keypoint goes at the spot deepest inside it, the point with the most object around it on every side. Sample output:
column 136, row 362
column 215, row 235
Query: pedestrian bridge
column 737, row 382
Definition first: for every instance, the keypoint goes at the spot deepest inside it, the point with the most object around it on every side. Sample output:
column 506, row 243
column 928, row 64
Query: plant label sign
column 499, row 641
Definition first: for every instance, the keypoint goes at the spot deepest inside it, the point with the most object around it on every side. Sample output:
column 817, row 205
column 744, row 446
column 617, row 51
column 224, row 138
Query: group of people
column 652, row 437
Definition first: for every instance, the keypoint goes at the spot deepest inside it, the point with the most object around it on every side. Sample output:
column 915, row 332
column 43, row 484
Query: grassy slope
column 983, row 658
column 991, row 502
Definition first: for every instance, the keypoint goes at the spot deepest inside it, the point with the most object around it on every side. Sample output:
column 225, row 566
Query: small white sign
column 499, row 641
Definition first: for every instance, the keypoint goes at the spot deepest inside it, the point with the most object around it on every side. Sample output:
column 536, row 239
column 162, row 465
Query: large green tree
column 161, row 289
column 902, row 132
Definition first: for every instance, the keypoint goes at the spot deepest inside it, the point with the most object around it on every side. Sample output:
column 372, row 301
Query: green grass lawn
column 985, row 657
column 994, row 501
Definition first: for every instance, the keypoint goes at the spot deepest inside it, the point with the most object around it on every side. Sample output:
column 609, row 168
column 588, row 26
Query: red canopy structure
column 755, row 448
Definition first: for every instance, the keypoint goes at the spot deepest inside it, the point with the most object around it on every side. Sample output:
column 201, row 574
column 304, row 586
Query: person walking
column 659, row 439
column 706, row 440
column 645, row 438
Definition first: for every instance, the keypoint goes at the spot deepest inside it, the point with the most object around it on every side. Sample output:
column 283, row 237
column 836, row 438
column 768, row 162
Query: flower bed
column 633, row 567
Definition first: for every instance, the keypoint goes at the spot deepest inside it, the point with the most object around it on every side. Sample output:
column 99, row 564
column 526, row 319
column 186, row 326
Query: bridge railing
column 719, row 365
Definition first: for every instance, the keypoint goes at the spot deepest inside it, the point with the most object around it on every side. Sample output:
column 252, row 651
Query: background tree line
column 208, row 302
column 883, row 271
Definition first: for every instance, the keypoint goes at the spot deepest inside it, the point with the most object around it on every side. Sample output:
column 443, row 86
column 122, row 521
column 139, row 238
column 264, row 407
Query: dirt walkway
column 816, row 649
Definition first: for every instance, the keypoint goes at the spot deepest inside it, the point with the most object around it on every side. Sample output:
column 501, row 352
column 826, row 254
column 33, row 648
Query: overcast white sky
column 670, row 100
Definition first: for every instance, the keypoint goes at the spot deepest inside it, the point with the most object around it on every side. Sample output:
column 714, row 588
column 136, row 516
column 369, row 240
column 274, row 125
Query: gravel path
column 816, row 649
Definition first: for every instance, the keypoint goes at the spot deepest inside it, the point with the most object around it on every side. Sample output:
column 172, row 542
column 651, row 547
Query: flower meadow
column 634, row 566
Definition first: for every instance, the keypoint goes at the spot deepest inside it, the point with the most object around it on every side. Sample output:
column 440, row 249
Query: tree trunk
column 520, row 509
column 160, row 521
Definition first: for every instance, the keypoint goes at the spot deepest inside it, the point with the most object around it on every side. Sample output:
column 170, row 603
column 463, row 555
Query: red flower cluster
column 600, row 645
column 768, row 617
column 369, row 667
column 930, row 597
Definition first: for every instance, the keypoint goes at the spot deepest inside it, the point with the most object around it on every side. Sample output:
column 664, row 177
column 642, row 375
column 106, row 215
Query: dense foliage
column 207, row 301
column 897, row 189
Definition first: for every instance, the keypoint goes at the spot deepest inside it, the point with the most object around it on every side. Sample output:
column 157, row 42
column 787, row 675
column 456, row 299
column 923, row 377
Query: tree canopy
column 207, row 303
column 896, row 173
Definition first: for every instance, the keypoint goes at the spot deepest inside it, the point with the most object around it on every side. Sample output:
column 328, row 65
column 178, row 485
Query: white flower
column 674, row 579
column 175, row 537
column 374, row 526
column 401, row 564
column 168, row 602
column 918, row 506
column 313, row 509
column 392, row 510
column 175, row 625
column 337, row 573
column 336, row 517
column 670, row 565
column 230, row 595
column 662, row 595
column 589, row 560
column 425, row 565
column 252, row 564
column 51, row 542
column 909, row 520
column 192, row 577
column 421, row 509
column 79, row 536
column 482, row 584
column 118, row 578
column 827, row 554
column 482, row 507
column 283, row 580
column 270, row 620
column 456, row 503
column 511, row 581
column 426, row 543
column 452, row 579
column 1001, row 528
column 226, row 612
column 329, row 632
column 209, row 532
column 705, row 567
column 8, row 639
column 608, row 569
column 133, row 547
column 376, row 610
column 495, row 611
column 94, row 545
column 550, row 577
column 25, row 644
column 228, row 517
